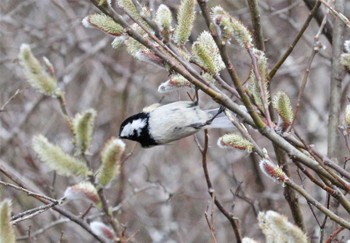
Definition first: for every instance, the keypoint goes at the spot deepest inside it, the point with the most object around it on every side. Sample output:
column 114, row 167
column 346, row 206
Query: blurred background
column 161, row 191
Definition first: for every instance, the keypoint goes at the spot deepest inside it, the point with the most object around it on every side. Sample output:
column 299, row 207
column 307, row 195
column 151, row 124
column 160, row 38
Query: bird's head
column 136, row 128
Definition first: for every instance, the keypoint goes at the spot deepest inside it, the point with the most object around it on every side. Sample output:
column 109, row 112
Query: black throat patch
column 142, row 136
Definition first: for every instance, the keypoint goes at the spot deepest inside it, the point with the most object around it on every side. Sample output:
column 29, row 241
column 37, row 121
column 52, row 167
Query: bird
column 163, row 124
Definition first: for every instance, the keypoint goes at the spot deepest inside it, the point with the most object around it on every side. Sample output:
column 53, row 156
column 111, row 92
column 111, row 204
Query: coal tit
column 166, row 123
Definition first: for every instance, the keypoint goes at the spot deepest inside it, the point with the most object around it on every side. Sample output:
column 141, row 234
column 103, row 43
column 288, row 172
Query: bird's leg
column 194, row 98
column 196, row 89
column 221, row 109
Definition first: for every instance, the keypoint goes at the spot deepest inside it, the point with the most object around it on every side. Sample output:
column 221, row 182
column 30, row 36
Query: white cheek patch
column 135, row 125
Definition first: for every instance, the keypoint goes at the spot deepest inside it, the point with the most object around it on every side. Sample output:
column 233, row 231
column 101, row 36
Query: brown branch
column 232, row 72
column 334, row 234
column 210, row 221
column 288, row 193
column 334, row 192
column 313, row 201
column 263, row 95
column 294, row 43
column 211, row 191
column 217, row 78
column 263, row 129
column 31, row 213
column 255, row 17
column 2, row 108
column 219, row 97
column 319, row 16
column 309, row 205
column 109, row 214
column 324, row 223
column 61, row 211
column 303, row 85
column 316, row 49
column 42, row 230
column 317, row 155
column 29, row 193
column 30, row 111
column 342, row 183
column 337, row 13
column 107, row 211
column 337, row 74
column 245, row 198
column 244, row 132
column 62, row 101
column 314, row 180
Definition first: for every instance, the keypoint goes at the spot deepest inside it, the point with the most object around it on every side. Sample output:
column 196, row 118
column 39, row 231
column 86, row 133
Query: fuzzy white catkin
column 102, row 230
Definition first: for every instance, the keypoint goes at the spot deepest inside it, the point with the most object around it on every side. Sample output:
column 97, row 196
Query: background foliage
column 162, row 191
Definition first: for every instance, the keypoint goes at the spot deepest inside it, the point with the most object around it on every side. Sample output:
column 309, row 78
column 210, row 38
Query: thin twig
column 258, row 123
column 318, row 205
column 309, row 205
column 211, row 191
column 338, row 14
column 314, row 180
column 324, row 223
column 245, row 198
column 261, row 84
column 255, row 17
column 2, row 108
column 334, row 234
column 342, row 183
column 288, row 193
column 221, row 98
column 210, row 221
column 31, row 213
column 29, row 193
column 303, row 85
column 29, row 112
column 111, row 220
column 319, row 16
column 294, row 43
column 317, row 155
column 244, row 132
column 316, row 49
column 337, row 74
column 62, row 101
column 43, row 229
column 63, row 212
